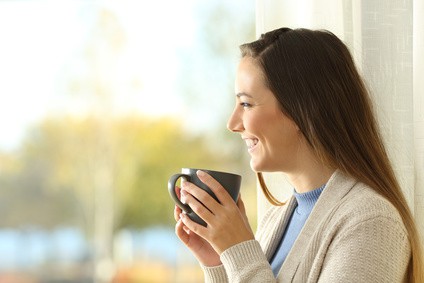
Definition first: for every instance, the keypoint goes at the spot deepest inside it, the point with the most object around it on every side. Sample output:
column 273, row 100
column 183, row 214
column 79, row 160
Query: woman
column 303, row 109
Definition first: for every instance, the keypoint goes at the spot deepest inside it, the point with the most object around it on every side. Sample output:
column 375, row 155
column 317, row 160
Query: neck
column 308, row 180
column 308, row 171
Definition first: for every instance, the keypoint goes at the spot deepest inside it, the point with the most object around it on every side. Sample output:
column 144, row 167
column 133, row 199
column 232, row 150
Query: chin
column 253, row 166
column 257, row 167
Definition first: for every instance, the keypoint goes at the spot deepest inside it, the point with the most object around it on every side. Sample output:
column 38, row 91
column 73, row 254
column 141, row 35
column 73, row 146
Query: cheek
column 253, row 123
column 285, row 135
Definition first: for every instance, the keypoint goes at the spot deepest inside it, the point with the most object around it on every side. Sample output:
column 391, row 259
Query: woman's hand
column 227, row 223
column 200, row 248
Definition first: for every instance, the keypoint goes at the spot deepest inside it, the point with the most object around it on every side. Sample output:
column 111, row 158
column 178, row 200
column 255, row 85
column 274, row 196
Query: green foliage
column 152, row 151
column 26, row 202
column 66, row 163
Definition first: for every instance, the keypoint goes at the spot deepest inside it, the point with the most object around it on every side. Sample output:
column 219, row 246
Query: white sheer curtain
column 386, row 39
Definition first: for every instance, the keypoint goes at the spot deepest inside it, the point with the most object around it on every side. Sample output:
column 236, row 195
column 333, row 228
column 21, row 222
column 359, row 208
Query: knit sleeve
column 246, row 262
column 374, row 250
column 215, row 274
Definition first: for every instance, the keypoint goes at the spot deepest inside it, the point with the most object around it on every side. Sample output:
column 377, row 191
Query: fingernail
column 185, row 184
column 186, row 230
column 183, row 196
column 201, row 173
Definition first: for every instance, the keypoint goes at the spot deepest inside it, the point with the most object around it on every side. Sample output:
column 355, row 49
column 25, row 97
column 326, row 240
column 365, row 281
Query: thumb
column 240, row 205
column 242, row 208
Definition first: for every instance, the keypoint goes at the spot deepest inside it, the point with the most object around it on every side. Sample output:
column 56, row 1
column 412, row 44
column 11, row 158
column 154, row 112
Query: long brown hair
column 313, row 77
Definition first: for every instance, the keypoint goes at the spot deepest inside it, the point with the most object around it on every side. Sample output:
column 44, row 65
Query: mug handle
column 171, row 188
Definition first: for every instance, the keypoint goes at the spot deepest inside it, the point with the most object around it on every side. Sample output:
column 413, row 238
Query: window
column 101, row 102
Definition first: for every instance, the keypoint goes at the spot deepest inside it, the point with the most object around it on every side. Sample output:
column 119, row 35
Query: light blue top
column 305, row 204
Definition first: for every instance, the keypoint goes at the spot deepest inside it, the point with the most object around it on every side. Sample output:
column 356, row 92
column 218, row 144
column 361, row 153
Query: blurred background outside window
column 101, row 101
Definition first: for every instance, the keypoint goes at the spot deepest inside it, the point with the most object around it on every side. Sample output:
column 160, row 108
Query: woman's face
column 273, row 140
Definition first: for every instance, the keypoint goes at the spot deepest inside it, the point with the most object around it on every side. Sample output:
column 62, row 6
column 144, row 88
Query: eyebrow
column 243, row 94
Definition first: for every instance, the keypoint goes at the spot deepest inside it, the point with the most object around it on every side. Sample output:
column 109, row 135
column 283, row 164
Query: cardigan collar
column 337, row 187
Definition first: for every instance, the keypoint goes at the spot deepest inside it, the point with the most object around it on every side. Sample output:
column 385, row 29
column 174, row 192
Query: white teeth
column 251, row 143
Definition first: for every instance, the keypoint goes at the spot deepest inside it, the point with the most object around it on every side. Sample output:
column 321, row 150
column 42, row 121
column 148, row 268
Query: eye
column 245, row 105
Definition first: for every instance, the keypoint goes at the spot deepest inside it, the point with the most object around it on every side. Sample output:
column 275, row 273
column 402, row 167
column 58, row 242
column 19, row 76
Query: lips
column 251, row 143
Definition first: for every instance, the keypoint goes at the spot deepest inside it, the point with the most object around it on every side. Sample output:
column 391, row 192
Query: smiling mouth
column 251, row 143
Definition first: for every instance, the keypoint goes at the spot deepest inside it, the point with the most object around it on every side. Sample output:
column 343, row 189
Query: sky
column 43, row 43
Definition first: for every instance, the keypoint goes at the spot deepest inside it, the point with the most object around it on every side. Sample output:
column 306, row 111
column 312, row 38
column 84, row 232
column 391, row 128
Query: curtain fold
column 418, row 89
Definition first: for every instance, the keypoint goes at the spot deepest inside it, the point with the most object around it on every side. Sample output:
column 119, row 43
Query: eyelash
column 245, row 105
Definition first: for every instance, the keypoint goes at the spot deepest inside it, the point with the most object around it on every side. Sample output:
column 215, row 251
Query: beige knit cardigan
column 352, row 235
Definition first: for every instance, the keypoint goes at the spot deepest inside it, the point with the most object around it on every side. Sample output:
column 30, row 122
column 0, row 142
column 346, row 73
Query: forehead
column 249, row 74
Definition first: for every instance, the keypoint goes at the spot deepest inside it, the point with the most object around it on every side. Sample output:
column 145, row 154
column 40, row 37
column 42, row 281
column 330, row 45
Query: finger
column 178, row 191
column 181, row 233
column 185, row 228
column 240, row 205
column 177, row 212
column 193, row 226
column 219, row 191
column 200, row 195
column 242, row 208
column 202, row 204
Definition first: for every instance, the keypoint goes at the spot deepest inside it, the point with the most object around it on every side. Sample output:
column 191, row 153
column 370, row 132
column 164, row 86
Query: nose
column 235, row 122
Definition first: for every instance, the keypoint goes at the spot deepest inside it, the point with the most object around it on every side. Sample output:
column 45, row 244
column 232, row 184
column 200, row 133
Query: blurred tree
column 114, row 171
column 152, row 150
column 60, row 158
column 65, row 163
column 25, row 200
